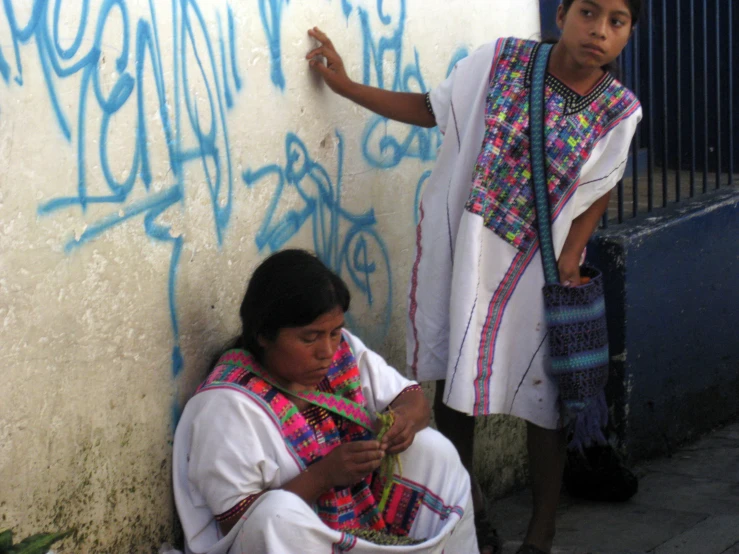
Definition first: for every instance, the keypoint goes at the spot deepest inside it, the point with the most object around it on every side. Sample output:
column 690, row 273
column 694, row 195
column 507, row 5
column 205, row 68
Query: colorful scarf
column 314, row 433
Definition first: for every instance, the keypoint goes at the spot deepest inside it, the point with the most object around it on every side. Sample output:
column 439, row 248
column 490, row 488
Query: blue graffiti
column 270, row 12
column 346, row 242
column 234, row 64
column 381, row 148
column 192, row 136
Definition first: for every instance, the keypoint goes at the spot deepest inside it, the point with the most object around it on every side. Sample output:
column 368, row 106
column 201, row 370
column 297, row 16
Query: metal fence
column 680, row 65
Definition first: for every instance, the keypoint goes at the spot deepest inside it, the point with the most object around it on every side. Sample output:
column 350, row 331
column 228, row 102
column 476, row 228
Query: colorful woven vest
column 502, row 190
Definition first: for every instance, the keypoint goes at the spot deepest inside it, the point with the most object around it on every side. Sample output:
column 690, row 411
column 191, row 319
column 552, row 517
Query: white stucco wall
column 129, row 224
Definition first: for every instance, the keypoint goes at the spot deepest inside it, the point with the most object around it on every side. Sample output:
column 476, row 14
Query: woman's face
column 299, row 357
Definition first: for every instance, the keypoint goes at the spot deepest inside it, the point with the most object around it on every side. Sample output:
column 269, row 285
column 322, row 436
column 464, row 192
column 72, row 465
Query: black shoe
column 599, row 474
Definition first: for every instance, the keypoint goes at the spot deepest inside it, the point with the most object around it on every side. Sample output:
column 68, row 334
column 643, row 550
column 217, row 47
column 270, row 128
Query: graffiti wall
column 151, row 153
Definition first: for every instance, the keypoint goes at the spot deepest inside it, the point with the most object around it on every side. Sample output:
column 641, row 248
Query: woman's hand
column 400, row 436
column 412, row 414
column 332, row 71
column 569, row 270
column 345, row 465
column 349, row 463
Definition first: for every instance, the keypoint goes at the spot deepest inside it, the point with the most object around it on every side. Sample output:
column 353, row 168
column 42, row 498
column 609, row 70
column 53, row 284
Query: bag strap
column 339, row 405
column 539, row 165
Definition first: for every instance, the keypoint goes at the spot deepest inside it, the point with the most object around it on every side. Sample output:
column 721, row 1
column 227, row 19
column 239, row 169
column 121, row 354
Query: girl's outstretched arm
column 406, row 107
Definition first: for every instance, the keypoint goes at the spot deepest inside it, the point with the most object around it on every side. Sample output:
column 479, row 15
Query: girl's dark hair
column 634, row 8
column 291, row 288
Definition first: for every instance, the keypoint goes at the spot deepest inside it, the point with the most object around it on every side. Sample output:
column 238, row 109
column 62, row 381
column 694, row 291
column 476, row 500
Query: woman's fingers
column 401, row 446
column 364, row 451
column 367, row 457
column 364, row 457
column 400, row 426
column 363, row 446
column 390, row 435
column 400, row 436
column 401, row 441
column 369, row 467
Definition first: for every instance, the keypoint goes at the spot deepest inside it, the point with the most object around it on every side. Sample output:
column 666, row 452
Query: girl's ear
column 561, row 17
column 261, row 341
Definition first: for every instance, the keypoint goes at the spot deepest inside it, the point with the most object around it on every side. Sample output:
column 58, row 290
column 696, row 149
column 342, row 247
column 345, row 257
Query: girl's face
column 595, row 31
column 299, row 357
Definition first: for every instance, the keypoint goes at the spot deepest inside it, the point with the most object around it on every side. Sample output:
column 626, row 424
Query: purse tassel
column 585, row 424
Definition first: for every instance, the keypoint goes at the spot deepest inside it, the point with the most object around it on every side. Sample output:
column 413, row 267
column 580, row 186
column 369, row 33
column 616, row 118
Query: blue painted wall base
column 673, row 313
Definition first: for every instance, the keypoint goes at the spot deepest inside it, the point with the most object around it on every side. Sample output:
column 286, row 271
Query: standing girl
column 476, row 321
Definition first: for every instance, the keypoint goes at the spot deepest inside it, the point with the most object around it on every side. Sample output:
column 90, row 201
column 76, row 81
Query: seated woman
column 276, row 452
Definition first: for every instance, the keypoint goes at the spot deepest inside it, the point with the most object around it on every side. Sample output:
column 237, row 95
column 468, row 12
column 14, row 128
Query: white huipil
column 476, row 309
column 228, row 446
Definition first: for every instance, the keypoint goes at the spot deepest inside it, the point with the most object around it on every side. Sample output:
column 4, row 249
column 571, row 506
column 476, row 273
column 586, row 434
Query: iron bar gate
column 680, row 65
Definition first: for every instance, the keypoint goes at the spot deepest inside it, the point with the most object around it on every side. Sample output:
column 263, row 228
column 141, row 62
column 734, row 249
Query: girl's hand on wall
column 569, row 271
column 349, row 463
column 407, row 107
column 332, row 71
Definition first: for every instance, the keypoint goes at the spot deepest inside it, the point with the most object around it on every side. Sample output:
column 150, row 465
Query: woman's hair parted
column 291, row 288
column 634, row 6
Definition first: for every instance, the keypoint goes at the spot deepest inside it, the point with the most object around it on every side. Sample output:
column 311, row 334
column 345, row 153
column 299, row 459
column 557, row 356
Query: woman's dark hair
column 634, row 8
column 291, row 288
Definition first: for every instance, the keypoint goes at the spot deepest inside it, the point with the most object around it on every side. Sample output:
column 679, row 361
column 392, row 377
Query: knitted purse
column 576, row 316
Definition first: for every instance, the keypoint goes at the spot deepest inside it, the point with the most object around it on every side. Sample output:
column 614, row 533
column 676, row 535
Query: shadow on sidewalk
column 686, row 504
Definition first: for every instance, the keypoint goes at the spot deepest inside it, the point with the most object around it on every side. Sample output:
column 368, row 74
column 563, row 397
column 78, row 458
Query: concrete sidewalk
column 686, row 504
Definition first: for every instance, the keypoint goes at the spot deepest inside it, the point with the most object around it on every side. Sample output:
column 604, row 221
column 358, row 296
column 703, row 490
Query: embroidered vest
column 502, row 190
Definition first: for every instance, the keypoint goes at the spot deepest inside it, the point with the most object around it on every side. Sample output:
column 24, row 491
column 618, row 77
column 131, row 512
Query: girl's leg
column 459, row 428
column 547, row 451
